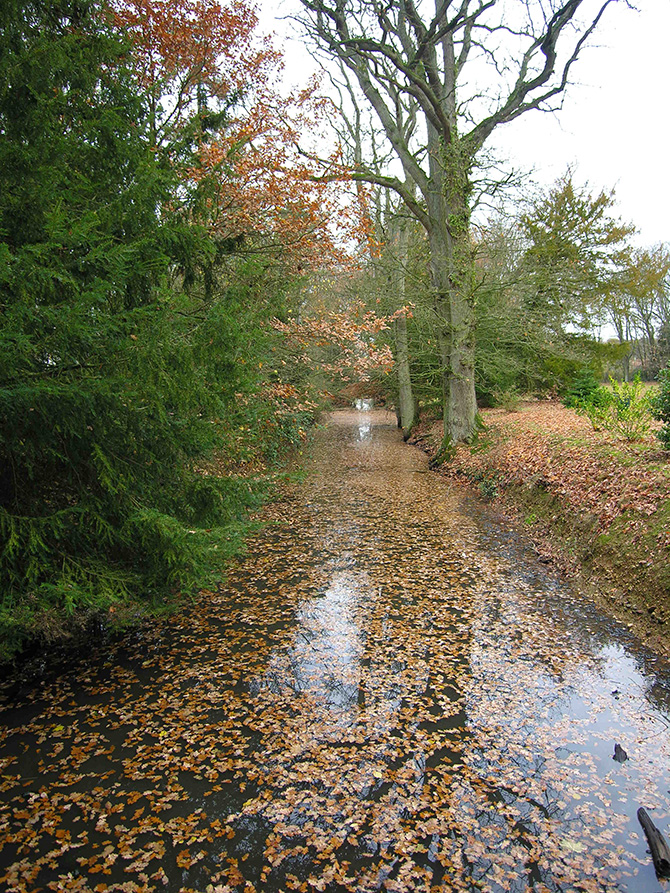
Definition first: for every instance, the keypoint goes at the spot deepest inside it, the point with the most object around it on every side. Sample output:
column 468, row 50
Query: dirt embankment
column 597, row 507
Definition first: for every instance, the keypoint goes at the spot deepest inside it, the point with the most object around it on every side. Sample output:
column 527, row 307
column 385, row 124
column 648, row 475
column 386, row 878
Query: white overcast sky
column 614, row 128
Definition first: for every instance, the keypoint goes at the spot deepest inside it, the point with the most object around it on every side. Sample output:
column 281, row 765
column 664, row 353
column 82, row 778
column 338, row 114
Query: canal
column 387, row 693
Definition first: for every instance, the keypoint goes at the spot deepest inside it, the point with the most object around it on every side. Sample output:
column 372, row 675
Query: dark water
column 388, row 693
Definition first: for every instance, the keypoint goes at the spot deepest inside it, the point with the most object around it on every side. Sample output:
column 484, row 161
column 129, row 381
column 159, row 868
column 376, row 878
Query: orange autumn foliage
column 183, row 46
column 254, row 183
column 350, row 336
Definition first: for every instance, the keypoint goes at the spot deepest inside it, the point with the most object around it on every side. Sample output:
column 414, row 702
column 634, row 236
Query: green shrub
column 596, row 413
column 488, row 488
column 584, row 389
column 509, row 399
column 661, row 407
column 625, row 410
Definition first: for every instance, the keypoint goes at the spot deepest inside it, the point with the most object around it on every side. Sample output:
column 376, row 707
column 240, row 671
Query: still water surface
column 387, row 693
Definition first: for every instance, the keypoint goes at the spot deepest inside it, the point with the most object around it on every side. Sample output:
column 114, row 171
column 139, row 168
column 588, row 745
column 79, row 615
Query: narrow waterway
column 388, row 693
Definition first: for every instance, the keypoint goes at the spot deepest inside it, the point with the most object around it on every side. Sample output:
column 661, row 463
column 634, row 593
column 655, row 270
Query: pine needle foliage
column 113, row 382
column 661, row 407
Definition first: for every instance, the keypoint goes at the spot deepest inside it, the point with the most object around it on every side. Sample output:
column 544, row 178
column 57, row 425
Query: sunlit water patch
column 364, row 431
column 324, row 656
column 364, row 404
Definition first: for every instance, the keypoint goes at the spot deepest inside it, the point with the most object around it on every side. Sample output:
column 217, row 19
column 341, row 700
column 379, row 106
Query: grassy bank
column 596, row 506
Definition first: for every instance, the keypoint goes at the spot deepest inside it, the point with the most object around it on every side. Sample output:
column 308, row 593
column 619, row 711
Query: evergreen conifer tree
column 108, row 377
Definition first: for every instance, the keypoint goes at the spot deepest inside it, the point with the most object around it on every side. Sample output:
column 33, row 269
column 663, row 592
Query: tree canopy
column 141, row 264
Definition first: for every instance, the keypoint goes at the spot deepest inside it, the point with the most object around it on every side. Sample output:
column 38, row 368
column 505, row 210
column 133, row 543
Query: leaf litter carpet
column 387, row 693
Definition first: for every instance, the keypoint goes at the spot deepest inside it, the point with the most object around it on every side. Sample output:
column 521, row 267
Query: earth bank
column 595, row 506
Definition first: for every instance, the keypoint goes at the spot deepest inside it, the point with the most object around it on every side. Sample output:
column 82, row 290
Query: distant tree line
column 559, row 290
column 566, row 269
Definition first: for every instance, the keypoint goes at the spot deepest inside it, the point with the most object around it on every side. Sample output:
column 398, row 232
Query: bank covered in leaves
column 594, row 504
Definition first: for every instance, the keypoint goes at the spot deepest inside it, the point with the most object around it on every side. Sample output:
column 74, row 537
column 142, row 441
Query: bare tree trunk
column 451, row 272
column 407, row 405
column 625, row 361
column 455, row 312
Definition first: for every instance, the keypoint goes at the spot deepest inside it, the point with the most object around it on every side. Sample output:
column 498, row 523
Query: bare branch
column 523, row 96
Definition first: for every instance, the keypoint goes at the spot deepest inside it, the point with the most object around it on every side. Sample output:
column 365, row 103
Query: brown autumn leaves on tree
column 411, row 64
column 218, row 114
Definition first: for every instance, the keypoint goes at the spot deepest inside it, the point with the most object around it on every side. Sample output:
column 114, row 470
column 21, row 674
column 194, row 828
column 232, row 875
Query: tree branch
column 518, row 101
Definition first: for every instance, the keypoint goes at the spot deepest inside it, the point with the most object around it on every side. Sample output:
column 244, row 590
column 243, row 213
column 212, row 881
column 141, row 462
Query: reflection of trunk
column 406, row 402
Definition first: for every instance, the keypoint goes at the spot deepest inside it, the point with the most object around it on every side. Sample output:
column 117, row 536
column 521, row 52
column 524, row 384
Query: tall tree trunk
column 624, row 337
column 455, row 312
column 407, row 405
column 452, row 273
